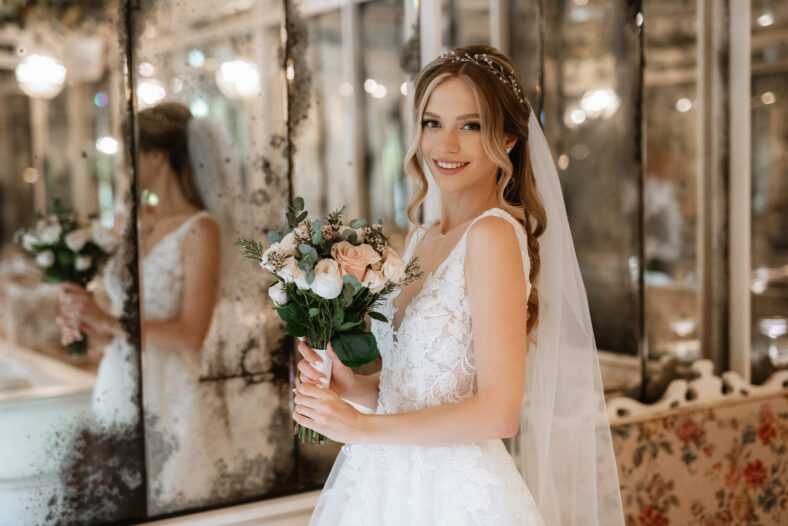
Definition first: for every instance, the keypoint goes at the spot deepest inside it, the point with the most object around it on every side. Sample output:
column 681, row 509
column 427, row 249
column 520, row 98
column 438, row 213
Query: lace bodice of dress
column 162, row 276
column 429, row 361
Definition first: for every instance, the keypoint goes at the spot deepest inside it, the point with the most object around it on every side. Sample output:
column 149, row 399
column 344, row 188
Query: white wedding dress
column 429, row 362
column 176, row 455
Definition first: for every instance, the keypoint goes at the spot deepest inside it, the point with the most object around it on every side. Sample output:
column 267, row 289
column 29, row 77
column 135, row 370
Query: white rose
column 82, row 263
column 328, row 279
column 28, row 240
column 300, row 279
column 393, row 268
column 374, row 280
column 102, row 236
column 288, row 245
column 278, row 294
column 76, row 239
column 45, row 259
column 50, row 233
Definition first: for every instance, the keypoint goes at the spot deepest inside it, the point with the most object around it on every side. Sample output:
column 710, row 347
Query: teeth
column 450, row 165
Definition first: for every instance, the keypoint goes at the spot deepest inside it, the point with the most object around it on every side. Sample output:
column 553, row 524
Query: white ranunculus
column 328, row 279
column 102, row 236
column 288, row 245
column 278, row 294
column 374, row 280
column 50, row 233
column 45, row 259
column 393, row 268
column 76, row 239
column 82, row 263
column 28, row 240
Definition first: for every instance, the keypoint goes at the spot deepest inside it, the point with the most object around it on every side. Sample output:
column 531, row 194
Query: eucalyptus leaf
column 310, row 276
column 301, row 217
column 317, row 232
column 358, row 223
column 350, row 236
column 314, row 311
column 298, row 204
column 274, row 236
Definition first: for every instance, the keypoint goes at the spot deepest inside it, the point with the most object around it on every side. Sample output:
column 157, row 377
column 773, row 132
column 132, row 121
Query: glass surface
column 216, row 374
column 670, row 173
column 70, row 442
column 769, row 280
column 591, row 117
column 465, row 22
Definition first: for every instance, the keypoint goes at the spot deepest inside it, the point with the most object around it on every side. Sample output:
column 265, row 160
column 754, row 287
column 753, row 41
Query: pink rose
column 352, row 259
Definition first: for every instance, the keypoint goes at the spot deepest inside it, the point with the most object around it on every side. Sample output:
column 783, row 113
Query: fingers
column 309, row 372
column 307, row 352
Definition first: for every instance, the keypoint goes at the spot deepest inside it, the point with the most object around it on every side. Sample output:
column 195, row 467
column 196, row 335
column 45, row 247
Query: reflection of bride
column 180, row 254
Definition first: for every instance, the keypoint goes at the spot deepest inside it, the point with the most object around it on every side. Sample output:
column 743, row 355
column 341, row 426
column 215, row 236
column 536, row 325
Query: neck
column 458, row 209
column 171, row 198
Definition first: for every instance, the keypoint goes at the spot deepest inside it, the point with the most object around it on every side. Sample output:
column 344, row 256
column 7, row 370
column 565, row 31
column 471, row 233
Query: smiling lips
column 449, row 168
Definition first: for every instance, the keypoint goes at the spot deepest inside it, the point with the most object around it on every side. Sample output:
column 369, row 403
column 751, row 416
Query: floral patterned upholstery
column 711, row 464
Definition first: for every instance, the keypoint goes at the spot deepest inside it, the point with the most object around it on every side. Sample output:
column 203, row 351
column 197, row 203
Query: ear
column 509, row 141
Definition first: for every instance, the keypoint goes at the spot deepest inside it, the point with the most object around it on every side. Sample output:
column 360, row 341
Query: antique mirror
column 209, row 81
column 71, row 445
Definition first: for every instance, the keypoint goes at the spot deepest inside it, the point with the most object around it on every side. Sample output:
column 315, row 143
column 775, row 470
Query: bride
column 490, row 345
column 180, row 253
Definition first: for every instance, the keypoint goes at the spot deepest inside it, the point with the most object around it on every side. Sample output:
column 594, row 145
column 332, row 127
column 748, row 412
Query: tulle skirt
column 387, row 485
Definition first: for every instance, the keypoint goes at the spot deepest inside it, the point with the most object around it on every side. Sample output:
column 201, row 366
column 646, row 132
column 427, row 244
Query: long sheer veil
column 563, row 447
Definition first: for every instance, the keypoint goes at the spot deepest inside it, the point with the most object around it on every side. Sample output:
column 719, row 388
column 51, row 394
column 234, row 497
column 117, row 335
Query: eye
column 472, row 126
column 429, row 123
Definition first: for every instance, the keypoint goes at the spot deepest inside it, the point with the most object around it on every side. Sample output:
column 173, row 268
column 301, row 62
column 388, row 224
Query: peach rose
column 352, row 259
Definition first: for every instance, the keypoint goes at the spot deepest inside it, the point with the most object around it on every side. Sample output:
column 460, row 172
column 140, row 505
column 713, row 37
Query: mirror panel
column 71, row 445
column 216, row 363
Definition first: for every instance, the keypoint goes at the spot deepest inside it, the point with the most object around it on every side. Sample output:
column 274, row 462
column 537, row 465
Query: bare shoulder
column 203, row 233
column 493, row 232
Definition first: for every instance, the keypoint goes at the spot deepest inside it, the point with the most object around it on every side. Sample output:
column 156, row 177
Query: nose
column 450, row 142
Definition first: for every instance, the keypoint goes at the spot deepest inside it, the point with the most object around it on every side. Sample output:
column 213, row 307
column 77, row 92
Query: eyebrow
column 460, row 118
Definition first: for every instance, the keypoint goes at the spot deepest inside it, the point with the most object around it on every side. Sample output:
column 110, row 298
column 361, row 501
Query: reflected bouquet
column 330, row 275
column 67, row 249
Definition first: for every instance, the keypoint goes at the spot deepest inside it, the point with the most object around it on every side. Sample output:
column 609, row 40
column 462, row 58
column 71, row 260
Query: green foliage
column 250, row 248
column 355, row 349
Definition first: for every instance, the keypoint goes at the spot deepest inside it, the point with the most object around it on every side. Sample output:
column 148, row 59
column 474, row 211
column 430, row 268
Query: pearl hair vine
column 485, row 62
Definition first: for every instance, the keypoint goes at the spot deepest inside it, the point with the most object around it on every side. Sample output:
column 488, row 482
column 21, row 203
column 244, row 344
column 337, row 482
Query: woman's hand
column 323, row 410
column 342, row 377
column 79, row 311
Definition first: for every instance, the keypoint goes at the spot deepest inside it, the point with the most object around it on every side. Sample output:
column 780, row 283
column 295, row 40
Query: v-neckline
column 432, row 273
column 169, row 234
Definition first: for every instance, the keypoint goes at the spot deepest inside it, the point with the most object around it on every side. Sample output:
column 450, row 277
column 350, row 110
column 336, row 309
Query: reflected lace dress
column 428, row 362
column 174, row 422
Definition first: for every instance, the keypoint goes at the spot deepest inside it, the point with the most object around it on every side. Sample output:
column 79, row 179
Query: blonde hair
column 502, row 114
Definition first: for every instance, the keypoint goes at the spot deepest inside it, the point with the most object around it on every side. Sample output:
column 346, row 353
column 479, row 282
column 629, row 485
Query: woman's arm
column 201, row 252
column 496, row 292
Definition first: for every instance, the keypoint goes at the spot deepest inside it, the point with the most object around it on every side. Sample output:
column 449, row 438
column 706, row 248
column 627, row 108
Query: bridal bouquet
column 67, row 249
column 329, row 276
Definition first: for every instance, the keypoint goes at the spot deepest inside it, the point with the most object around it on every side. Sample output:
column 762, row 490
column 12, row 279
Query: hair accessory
column 484, row 61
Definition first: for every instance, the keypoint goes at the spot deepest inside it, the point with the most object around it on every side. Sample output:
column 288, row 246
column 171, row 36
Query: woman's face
column 451, row 139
